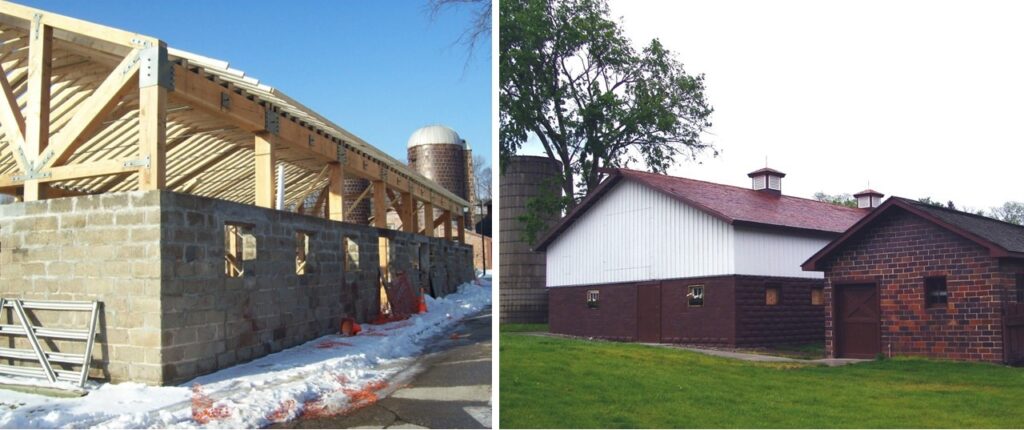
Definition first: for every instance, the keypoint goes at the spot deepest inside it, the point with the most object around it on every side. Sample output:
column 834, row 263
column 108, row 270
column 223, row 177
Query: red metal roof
column 734, row 205
column 766, row 171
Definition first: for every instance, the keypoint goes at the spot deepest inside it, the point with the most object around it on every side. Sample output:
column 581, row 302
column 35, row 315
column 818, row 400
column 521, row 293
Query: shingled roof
column 1002, row 239
column 734, row 205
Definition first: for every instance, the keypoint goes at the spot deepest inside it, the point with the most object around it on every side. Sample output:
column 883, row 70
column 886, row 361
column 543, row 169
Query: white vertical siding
column 635, row 233
column 775, row 253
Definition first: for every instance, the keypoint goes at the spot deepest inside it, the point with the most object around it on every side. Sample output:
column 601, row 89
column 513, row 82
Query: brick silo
column 353, row 189
column 522, row 274
column 438, row 153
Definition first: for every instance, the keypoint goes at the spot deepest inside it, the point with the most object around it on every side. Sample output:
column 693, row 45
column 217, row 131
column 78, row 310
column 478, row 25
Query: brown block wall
column 711, row 324
column 897, row 252
column 734, row 312
column 614, row 319
column 793, row 321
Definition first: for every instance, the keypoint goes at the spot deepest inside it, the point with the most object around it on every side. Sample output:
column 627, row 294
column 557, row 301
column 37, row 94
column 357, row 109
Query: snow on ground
column 325, row 376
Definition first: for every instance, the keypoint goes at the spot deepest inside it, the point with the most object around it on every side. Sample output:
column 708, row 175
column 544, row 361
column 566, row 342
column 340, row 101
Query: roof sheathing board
column 284, row 104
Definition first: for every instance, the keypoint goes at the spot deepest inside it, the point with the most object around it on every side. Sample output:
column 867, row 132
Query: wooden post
column 408, row 213
column 336, row 196
column 380, row 204
column 460, row 221
column 428, row 219
column 37, row 108
column 265, row 161
column 447, row 217
column 154, row 82
column 153, row 137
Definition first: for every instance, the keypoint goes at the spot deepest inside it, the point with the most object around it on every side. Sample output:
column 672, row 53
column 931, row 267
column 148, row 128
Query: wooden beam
column 428, row 219
column 12, row 123
column 380, row 205
column 336, row 190
column 319, row 205
column 75, row 171
column 352, row 206
column 37, row 110
column 73, row 25
column 446, row 219
column 265, row 164
column 153, row 137
column 408, row 213
column 204, row 94
column 91, row 114
column 460, row 222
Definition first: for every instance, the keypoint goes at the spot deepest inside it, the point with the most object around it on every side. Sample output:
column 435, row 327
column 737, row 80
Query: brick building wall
column 614, row 319
column 170, row 312
column 896, row 253
column 734, row 312
column 794, row 320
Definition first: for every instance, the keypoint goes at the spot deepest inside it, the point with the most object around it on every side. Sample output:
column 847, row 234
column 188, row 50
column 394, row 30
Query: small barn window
column 239, row 247
column 772, row 296
column 935, row 294
column 351, row 255
column 593, row 297
column 1020, row 288
column 301, row 252
column 817, row 295
column 695, row 296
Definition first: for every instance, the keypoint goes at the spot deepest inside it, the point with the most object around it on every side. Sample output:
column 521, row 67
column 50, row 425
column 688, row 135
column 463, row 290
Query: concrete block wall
column 103, row 247
column 156, row 260
column 214, row 321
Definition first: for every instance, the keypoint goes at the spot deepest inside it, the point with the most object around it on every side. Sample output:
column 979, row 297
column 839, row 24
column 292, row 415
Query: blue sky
column 380, row 69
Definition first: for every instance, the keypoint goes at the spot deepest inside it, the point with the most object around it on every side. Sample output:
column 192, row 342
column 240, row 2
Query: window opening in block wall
column 935, row 293
column 817, row 295
column 695, row 296
column 301, row 252
column 239, row 247
column 772, row 295
column 351, row 255
column 383, row 252
column 593, row 298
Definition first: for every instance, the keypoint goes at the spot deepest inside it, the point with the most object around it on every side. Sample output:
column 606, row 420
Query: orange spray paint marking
column 363, row 397
column 282, row 412
column 202, row 407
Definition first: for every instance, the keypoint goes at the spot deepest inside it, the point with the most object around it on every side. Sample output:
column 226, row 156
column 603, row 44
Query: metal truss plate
column 271, row 121
column 30, row 176
column 155, row 68
column 138, row 163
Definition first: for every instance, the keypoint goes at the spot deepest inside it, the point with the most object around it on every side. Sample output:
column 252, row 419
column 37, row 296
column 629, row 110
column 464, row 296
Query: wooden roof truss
column 89, row 109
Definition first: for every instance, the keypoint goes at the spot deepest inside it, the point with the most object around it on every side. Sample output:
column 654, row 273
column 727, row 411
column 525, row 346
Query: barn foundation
column 172, row 309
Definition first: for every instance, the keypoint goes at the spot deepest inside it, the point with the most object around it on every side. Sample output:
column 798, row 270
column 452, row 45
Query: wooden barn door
column 1013, row 328
column 648, row 312
column 858, row 321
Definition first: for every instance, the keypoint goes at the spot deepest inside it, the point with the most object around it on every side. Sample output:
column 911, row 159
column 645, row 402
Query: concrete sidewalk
column 745, row 356
column 450, row 387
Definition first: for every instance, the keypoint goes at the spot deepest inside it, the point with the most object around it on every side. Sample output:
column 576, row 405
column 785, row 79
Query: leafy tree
column 929, row 201
column 571, row 79
column 844, row 199
column 1011, row 212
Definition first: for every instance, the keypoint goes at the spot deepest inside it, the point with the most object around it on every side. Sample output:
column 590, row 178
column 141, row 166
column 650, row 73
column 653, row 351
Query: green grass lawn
column 549, row 382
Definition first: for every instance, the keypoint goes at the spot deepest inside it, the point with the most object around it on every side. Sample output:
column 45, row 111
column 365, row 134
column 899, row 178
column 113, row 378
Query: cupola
column 767, row 180
column 868, row 198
